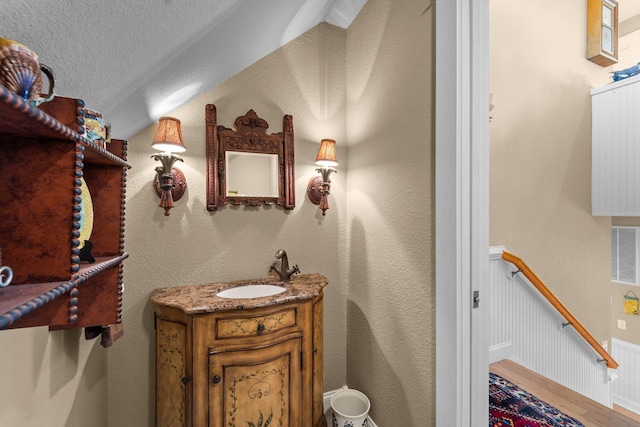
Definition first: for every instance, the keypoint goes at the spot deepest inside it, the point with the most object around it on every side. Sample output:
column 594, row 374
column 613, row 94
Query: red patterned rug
column 511, row 406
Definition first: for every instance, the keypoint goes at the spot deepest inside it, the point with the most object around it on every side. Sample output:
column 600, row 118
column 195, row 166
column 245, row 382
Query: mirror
column 251, row 174
column 247, row 166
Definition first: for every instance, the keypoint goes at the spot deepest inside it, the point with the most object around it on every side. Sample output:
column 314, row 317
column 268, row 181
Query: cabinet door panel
column 318, row 372
column 258, row 387
column 171, row 389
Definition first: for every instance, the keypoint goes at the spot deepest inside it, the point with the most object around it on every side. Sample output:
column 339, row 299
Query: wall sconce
column 169, row 182
column 318, row 187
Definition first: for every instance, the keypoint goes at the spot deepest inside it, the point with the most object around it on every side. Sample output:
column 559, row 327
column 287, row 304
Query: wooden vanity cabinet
column 234, row 367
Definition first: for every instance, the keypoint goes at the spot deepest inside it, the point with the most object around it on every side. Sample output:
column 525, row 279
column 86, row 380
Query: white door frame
column 462, row 211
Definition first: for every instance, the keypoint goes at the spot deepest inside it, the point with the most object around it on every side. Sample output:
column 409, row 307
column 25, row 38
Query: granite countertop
column 194, row 299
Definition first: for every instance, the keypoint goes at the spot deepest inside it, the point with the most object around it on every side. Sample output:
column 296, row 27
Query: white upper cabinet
column 615, row 152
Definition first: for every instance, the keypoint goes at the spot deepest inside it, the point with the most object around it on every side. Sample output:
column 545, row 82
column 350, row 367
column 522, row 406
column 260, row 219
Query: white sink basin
column 251, row 291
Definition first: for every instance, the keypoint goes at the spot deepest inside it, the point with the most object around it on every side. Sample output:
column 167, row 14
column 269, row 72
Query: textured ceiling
column 136, row 60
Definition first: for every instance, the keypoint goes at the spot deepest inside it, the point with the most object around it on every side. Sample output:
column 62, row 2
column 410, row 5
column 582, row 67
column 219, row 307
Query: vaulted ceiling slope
column 137, row 60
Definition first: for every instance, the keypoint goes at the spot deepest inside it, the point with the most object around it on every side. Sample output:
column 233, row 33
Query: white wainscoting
column 626, row 389
column 528, row 330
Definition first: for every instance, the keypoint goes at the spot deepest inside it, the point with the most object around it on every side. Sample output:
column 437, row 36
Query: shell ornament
column 21, row 73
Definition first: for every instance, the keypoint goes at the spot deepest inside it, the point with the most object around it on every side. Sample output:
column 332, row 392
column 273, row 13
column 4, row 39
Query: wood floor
column 585, row 410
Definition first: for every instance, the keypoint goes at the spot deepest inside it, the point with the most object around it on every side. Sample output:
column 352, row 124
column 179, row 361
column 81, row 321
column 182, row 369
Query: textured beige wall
column 306, row 79
column 632, row 322
column 541, row 153
column 391, row 283
column 53, row 379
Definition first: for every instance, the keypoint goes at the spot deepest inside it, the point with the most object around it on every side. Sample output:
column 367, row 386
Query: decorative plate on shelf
column 86, row 213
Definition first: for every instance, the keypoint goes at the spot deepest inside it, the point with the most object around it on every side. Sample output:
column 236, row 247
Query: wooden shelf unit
column 43, row 157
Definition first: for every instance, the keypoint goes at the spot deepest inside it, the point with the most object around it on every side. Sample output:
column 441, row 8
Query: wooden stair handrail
column 557, row 304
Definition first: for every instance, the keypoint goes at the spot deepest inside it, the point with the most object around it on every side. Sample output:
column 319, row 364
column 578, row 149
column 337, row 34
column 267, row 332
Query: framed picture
column 602, row 32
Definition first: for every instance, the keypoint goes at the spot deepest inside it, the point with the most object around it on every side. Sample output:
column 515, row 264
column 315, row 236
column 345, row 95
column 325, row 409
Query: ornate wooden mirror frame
column 249, row 137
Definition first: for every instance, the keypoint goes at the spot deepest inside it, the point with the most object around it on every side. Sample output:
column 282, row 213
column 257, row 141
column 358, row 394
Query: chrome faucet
column 285, row 272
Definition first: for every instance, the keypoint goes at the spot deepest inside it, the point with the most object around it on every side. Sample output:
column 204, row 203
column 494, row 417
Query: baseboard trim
column 500, row 352
column 326, row 401
column 626, row 404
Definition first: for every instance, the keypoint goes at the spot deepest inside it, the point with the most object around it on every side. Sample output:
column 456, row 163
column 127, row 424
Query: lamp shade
column 327, row 153
column 169, row 136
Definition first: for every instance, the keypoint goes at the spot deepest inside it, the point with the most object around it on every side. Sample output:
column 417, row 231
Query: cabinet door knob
column 260, row 327
column 216, row 379
column 185, row 380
